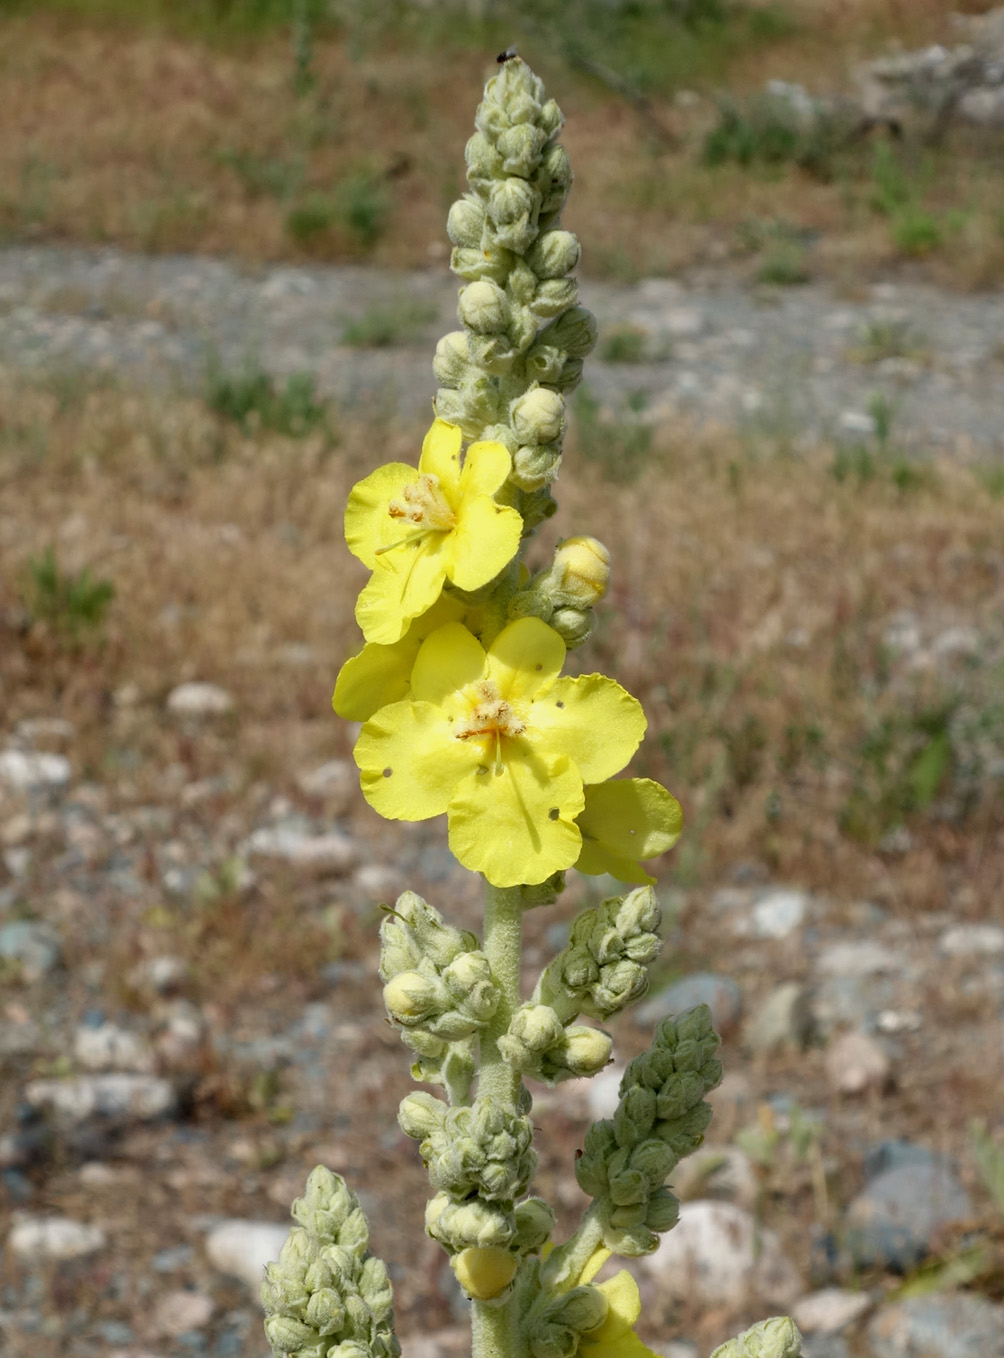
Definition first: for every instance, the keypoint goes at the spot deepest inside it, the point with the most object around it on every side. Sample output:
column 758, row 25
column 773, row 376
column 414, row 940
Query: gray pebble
column 784, row 1019
column 32, row 945
column 892, row 1221
column 142, row 1098
column 720, row 993
column 948, row 1326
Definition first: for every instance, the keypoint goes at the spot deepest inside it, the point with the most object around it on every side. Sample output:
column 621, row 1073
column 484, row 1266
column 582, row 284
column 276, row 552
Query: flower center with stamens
column 424, row 504
column 491, row 716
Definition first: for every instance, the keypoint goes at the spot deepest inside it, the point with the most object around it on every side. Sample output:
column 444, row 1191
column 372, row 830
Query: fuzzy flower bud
column 483, row 161
column 554, row 296
column 539, row 416
column 774, row 1338
column 535, row 466
column 573, row 625
column 582, row 570
column 520, row 148
column 574, row 332
column 484, row 308
column 554, row 253
column 409, row 997
column 459, row 1225
column 512, row 201
column 534, row 1223
column 421, row 1115
column 554, row 179
column 465, row 222
column 555, row 1330
column 485, row 1271
column 603, row 967
column 452, row 360
column 583, row 1053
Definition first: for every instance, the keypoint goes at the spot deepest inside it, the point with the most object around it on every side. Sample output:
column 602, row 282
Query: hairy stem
column 502, row 946
column 495, row 1328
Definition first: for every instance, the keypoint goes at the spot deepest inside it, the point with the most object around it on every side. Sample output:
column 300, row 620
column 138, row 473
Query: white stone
column 243, row 1248
column 39, row 1240
column 722, row 1172
column 854, row 1063
column 985, row 107
column 34, row 729
column 181, row 1310
column 858, row 957
column 30, row 772
column 683, row 322
column 779, row 913
column 199, row 700
column 971, row 940
column 857, row 422
column 143, row 1097
column 337, row 778
column 331, row 852
column 784, row 1019
column 379, row 881
column 603, row 1092
column 829, row 1310
column 110, row 1047
column 717, row 1256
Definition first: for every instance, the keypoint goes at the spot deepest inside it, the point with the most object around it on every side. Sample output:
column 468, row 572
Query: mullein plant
column 464, row 710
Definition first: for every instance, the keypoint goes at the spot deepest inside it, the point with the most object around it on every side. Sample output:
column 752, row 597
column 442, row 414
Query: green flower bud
column 409, row 997
column 554, row 296
column 421, row 1114
column 534, row 1223
column 465, row 222
column 535, row 466
column 553, row 179
column 459, row 1225
column 325, row 1312
column 292, row 1336
column 483, row 162
column 574, row 332
column 496, row 354
column 511, row 201
column 573, row 625
column 774, row 1338
column 520, row 148
column 551, row 119
column 554, row 253
column 663, row 1211
column 470, row 982
column 485, row 1271
column 585, row 1052
column 477, row 264
column 535, row 1027
column 483, row 307
column 544, row 362
column 452, row 361
column 570, row 376
column 538, row 416
column 548, row 891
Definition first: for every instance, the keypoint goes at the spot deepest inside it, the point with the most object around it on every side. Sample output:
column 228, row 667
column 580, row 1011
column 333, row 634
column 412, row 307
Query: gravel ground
column 796, row 362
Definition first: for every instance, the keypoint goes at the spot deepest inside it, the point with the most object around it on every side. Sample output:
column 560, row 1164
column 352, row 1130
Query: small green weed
column 915, row 231
column 775, row 130
column 254, row 400
column 883, row 338
column 619, row 445
column 72, row 605
column 624, row 344
column 784, row 264
column 992, row 481
column 263, row 176
column 360, row 206
column 399, row 322
column 989, row 1162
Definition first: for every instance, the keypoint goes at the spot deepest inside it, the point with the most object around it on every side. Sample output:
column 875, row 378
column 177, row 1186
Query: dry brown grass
column 752, row 600
column 123, row 134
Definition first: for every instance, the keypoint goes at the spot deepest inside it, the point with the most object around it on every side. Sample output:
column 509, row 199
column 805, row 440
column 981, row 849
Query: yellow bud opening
column 583, row 566
column 484, row 1271
column 408, row 995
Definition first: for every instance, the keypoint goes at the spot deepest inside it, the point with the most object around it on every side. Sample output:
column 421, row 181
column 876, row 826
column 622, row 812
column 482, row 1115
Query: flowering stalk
column 465, row 711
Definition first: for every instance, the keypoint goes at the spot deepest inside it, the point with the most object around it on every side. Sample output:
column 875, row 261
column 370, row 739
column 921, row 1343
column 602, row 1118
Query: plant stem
column 502, row 946
column 495, row 1329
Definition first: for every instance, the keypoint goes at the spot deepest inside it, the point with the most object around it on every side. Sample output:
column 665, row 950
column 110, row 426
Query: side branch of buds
column 328, row 1295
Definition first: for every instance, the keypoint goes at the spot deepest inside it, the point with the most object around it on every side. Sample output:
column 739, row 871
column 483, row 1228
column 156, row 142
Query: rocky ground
column 165, row 1091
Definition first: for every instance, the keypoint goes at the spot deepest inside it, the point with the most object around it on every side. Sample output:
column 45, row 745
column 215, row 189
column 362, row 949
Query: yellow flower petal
column 525, row 659
column 624, row 822
column 450, row 658
column 368, row 526
column 517, row 827
column 486, row 467
column 592, row 720
column 616, row 1338
column 485, row 540
column 409, row 762
column 380, row 675
column 441, row 457
column 594, row 1263
column 404, row 584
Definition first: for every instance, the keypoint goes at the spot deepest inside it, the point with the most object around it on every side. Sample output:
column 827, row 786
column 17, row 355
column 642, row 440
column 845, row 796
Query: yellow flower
column 379, row 675
column 502, row 745
column 623, row 822
column 615, row 1338
column 417, row 529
